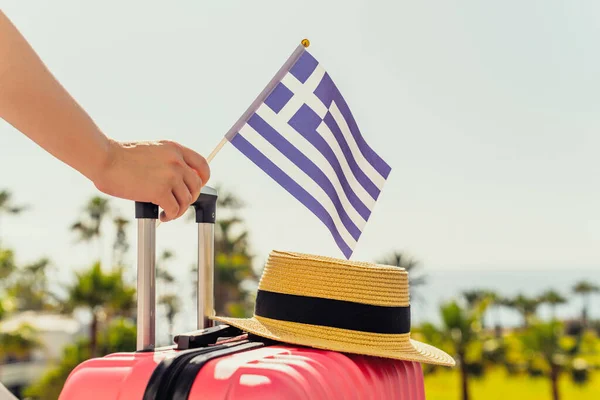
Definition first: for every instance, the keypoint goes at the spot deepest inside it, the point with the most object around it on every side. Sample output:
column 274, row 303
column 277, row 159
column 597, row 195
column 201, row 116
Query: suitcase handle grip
column 147, row 214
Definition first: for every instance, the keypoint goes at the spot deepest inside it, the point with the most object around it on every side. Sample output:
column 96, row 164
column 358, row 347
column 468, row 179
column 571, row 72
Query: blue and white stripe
column 303, row 135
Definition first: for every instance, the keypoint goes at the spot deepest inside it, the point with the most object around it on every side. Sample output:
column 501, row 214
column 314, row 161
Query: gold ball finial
column 305, row 42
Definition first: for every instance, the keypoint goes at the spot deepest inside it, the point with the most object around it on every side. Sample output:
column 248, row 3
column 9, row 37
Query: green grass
column 496, row 385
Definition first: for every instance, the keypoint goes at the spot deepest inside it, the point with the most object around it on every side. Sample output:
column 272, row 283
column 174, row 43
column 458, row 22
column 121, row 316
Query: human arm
column 34, row 102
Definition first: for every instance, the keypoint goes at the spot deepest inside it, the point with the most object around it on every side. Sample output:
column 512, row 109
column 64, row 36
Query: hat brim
column 399, row 346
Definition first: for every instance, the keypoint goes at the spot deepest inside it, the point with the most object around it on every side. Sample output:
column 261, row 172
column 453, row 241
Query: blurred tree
column 7, row 265
column 495, row 303
column 231, row 271
column 119, row 336
column 542, row 342
column 121, row 245
column 3, row 306
column 459, row 334
column 461, row 325
column 584, row 352
column 477, row 296
column 474, row 297
column 88, row 226
column 30, row 288
column 553, row 299
column 172, row 305
column 102, row 293
column 585, row 289
column 526, row 306
column 412, row 266
column 7, row 207
column 226, row 241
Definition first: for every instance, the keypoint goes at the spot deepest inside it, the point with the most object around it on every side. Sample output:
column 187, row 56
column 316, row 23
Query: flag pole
column 258, row 101
column 261, row 97
column 268, row 89
column 216, row 150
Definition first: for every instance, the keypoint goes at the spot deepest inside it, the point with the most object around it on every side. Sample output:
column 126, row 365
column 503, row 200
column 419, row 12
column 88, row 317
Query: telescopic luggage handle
column 147, row 214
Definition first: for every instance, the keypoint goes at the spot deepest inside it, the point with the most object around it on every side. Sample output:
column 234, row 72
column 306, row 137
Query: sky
column 487, row 113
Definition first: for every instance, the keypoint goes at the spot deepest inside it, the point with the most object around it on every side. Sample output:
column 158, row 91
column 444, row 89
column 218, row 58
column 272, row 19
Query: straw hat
column 339, row 305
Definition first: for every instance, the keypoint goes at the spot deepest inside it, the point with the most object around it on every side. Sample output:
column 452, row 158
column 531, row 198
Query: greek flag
column 300, row 131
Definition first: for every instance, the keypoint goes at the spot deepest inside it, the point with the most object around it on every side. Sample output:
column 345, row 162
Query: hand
column 164, row 173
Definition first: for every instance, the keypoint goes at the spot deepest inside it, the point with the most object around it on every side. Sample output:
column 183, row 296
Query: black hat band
column 332, row 313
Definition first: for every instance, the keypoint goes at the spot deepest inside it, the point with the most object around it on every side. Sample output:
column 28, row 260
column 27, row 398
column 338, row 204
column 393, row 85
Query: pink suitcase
column 221, row 362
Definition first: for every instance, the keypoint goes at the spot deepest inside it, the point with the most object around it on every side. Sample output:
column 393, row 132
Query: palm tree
column 26, row 286
column 30, row 289
column 585, row 289
column 401, row 260
column 120, row 245
column 88, row 227
column 473, row 297
column 101, row 293
column 477, row 296
column 7, row 264
column 526, row 306
column 225, row 239
column 6, row 205
column 122, row 302
column 543, row 341
column 495, row 302
column 553, row 299
column 461, row 326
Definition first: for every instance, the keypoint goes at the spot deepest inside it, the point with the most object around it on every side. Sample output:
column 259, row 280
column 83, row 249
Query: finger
column 184, row 198
column 193, row 183
column 196, row 162
column 170, row 207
